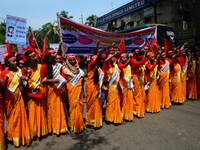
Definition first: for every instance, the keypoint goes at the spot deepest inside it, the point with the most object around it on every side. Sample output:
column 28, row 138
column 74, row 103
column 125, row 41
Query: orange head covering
column 150, row 54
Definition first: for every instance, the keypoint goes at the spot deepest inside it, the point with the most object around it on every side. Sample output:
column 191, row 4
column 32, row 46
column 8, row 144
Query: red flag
column 168, row 45
column 147, row 44
column 37, row 52
column 9, row 48
column 154, row 45
column 122, row 47
column 31, row 42
column 44, row 49
column 5, row 55
column 0, row 68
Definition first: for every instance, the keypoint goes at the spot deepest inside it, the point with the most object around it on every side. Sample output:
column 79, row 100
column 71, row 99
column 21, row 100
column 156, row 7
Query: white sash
column 100, row 81
column 56, row 68
column 185, row 67
column 130, row 83
column 165, row 67
column 114, row 75
column 76, row 78
column 16, row 79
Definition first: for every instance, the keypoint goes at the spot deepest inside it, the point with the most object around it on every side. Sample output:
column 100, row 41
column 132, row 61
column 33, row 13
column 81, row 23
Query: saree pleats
column 2, row 141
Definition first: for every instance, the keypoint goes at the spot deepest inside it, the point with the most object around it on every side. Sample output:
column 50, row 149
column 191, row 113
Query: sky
column 40, row 12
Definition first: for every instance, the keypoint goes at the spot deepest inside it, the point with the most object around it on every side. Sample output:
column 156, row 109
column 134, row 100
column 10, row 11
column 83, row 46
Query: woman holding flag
column 93, row 92
column 75, row 93
column 50, row 71
column 17, row 127
column 35, row 101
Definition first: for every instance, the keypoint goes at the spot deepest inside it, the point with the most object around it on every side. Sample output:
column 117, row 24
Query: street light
column 3, row 19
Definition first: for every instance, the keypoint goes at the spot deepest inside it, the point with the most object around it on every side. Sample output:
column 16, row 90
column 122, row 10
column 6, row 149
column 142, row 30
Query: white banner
column 15, row 30
column 54, row 46
column 20, row 47
column 2, row 49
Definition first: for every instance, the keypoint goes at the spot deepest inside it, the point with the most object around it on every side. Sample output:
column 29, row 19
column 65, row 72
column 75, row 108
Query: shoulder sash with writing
column 185, row 67
column 165, row 67
column 114, row 75
column 193, row 66
column 76, row 78
column 100, row 81
column 36, row 75
column 56, row 69
column 15, row 81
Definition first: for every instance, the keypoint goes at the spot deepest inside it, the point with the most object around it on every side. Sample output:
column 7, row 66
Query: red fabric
column 154, row 48
column 149, row 67
column 43, row 71
column 135, row 64
column 121, row 66
column 147, row 44
column 1, row 68
column 9, row 48
column 32, row 44
column 5, row 55
column 92, row 65
column 59, row 52
column 168, row 45
column 122, row 47
column 44, row 49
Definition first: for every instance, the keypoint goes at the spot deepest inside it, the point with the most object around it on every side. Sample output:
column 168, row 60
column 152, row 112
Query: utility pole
column 82, row 19
column 155, row 14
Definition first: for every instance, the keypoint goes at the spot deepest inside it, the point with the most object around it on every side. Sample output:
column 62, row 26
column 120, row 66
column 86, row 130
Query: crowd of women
column 34, row 102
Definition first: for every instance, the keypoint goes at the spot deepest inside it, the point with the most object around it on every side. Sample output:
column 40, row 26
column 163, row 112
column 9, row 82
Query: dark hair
column 18, row 59
column 11, row 27
column 96, row 73
column 26, row 63
column 8, row 57
column 134, row 49
column 109, row 47
column 47, row 61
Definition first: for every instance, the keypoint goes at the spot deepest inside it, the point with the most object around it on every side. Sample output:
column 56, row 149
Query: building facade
column 182, row 15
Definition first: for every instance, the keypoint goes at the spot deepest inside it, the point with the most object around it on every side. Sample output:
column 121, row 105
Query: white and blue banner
column 15, row 30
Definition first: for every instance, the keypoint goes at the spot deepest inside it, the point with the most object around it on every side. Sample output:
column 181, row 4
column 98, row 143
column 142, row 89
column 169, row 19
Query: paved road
column 176, row 128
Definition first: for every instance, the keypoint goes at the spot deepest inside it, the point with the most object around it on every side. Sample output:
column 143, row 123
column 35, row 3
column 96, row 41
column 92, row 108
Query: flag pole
column 35, row 40
column 62, row 53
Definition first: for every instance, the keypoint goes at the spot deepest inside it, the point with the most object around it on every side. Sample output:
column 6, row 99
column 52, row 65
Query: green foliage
column 65, row 14
column 91, row 20
column 2, row 33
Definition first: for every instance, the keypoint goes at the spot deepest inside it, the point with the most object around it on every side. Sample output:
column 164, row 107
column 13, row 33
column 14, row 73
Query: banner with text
column 80, row 39
column 15, row 30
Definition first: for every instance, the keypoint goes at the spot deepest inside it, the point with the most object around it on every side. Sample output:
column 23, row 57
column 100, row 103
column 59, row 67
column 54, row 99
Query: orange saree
column 56, row 120
column 191, row 83
column 198, row 76
column 75, row 100
column 152, row 99
column 17, row 127
column 93, row 99
column 2, row 141
column 127, row 93
column 176, row 85
column 113, row 110
column 164, row 85
column 36, row 112
column 139, row 95
column 184, row 79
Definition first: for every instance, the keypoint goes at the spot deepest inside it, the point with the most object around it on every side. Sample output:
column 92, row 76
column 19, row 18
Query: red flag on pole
column 154, row 45
column 44, row 49
column 147, row 44
column 122, row 47
column 32, row 44
column 9, row 48
column 168, row 45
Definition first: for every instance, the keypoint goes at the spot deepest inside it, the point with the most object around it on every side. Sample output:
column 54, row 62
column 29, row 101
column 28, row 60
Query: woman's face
column 58, row 60
column 124, row 60
column 32, row 59
column 13, row 64
column 53, row 56
column 72, row 61
column 163, row 56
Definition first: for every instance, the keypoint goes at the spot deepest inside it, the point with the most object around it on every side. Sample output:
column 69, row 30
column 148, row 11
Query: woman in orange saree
column 112, row 76
column 176, row 85
column 17, row 127
column 74, row 90
column 36, row 112
column 93, row 92
column 2, row 141
column 139, row 95
column 164, row 71
column 198, row 72
column 50, row 71
column 126, row 85
column 152, row 99
column 191, row 83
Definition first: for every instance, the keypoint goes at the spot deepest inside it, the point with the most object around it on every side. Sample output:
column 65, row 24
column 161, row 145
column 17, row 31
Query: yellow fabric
column 126, row 95
column 139, row 96
column 113, row 111
column 94, row 104
column 2, row 141
column 75, row 99
column 17, row 127
column 198, row 76
column 184, row 83
column 35, row 76
column 164, row 87
column 15, row 82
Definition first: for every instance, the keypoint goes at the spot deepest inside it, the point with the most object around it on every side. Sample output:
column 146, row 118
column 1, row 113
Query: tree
column 28, row 31
column 65, row 14
column 2, row 33
column 91, row 20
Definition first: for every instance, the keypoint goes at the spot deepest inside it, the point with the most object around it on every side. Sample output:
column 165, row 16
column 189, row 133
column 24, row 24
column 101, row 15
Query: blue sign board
column 125, row 9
